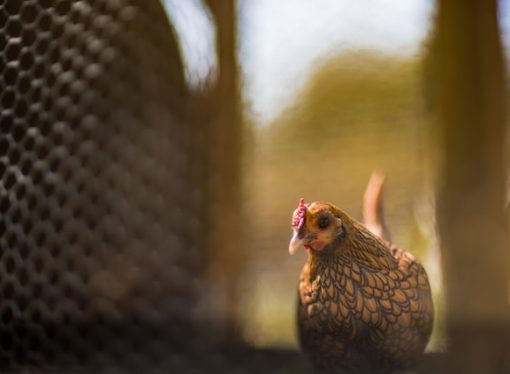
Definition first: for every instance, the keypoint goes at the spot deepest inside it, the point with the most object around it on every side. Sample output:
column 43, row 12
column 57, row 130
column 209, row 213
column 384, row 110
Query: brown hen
column 364, row 305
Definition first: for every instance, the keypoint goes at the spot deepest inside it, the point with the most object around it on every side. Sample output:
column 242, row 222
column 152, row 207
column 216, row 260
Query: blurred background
column 330, row 92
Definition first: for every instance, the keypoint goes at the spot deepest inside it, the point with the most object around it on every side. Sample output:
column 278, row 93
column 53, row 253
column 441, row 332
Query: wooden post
column 223, row 175
column 471, row 96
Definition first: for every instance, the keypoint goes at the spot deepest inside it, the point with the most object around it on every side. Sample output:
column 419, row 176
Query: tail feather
column 373, row 213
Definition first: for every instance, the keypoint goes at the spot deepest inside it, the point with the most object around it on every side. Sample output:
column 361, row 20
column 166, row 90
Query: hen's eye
column 323, row 222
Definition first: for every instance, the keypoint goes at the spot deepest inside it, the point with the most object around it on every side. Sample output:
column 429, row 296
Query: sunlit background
column 331, row 91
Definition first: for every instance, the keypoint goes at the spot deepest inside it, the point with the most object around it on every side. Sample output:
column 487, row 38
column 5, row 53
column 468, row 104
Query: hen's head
column 317, row 227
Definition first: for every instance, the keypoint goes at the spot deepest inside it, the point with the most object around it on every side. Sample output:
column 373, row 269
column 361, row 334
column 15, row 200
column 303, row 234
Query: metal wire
column 99, row 196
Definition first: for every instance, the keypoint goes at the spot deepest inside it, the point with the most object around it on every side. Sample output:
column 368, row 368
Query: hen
column 364, row 305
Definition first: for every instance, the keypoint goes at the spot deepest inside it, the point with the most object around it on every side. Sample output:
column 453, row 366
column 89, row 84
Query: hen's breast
column 350, row 314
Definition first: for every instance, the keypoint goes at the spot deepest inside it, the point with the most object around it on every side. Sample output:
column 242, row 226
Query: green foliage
column 358, row 91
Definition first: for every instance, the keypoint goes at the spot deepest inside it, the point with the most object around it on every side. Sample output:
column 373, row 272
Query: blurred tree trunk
column 223, row 175
column 471, row 96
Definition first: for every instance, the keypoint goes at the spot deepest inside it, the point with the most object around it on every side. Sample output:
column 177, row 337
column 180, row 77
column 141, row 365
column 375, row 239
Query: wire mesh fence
column 100, row 198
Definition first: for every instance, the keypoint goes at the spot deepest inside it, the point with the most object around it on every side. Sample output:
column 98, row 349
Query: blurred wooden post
column 471, row 98
column 224, row 142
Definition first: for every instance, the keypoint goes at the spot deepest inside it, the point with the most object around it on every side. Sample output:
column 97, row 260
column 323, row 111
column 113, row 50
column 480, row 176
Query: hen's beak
column 295, row 243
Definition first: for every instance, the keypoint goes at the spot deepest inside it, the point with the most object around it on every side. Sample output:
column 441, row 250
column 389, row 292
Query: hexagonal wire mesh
column 99, row 196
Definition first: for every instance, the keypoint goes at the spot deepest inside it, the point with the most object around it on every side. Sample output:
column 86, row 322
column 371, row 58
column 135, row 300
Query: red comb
column 299, row 216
